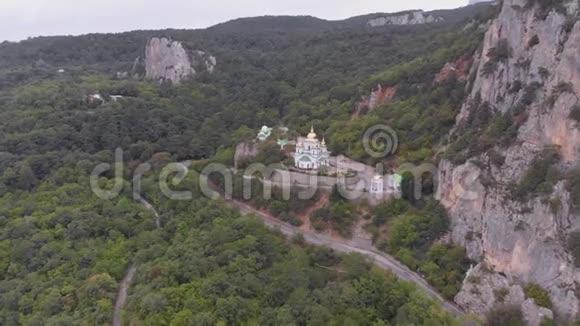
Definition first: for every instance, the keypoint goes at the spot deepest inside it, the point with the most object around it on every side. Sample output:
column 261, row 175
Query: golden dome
column 312, row 135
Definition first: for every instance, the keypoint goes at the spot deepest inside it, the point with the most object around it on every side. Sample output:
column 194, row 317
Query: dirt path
column 122, row 295
column 153, row 210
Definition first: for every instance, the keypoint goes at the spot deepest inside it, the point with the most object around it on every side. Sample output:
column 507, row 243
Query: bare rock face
column 245, row 151
column 484, row 289
column 376, row 98
column 413, row 18
column 168, row 60
column 534, row 314
column 525, row 241
column 460, row 69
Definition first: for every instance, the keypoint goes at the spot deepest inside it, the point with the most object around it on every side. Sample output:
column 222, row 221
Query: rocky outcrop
column 533, row 314
column 483, row 290
column 459, row 69
column 412, row 18
column 525, row 241
column 169, row 60
column 245, row 152
column 376, row 98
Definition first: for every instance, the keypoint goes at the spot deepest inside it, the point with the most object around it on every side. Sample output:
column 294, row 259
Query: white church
column 311, row 154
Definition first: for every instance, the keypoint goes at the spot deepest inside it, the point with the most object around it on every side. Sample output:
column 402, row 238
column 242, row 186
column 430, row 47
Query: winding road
column 379, row 258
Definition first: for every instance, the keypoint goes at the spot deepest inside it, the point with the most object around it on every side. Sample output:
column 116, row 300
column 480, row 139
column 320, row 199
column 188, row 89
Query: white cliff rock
column 413, row 18
column 169, row 60
column 524, row 241
column 534, row 314
column 484, row 289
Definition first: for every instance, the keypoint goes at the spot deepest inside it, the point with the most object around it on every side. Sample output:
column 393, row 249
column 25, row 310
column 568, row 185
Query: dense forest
column 63, row 251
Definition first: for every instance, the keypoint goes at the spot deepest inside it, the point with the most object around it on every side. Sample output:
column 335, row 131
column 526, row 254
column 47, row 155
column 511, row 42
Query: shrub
column 445, row 267
column 496, row 158
column 539, row 294
column 523, row 63
column 574, row 187
column 501, row 130
column 533, row 41
column 543, row 72
column 291, row 219
column 530, row 93
column 320, row 218
column 500, row 294
column 406, row 257
column 540, row 177
column 505, row 315
column 298, row 239
column 278, row 207
column 575, row 113
column 501, row 52
column 389, row 210
column 573, row 245
column 561, row 88
column 569, row 24
column 545, row 6
column 515, row 87
column 548, row 322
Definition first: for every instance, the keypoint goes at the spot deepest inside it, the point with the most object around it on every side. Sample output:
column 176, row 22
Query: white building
column 389, row 184
column 264, row 133
column 311, row 153
column 378, row 184
column 394, row 182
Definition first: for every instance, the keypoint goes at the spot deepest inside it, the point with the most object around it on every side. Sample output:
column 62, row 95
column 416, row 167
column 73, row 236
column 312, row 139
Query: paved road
column 379, row 258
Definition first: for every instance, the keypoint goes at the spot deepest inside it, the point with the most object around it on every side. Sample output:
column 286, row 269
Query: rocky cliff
column 166, row 59
column 245, row 152
column 528, row 73
column 376, row 98
column 412, row 18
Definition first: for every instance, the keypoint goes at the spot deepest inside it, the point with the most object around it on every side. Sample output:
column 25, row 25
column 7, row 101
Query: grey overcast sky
column 20, row 19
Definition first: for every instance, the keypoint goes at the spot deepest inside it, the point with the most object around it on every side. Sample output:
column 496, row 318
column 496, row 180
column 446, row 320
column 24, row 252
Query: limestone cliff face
column 413, row 18
column 525, row 242
column 492, row 287
column 168, row 60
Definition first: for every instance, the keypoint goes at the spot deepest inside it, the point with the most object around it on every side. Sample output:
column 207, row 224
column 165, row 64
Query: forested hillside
column 63, row 251
column 262, row 78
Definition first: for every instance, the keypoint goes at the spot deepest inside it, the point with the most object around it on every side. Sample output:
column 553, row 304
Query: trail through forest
column 122, row 295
